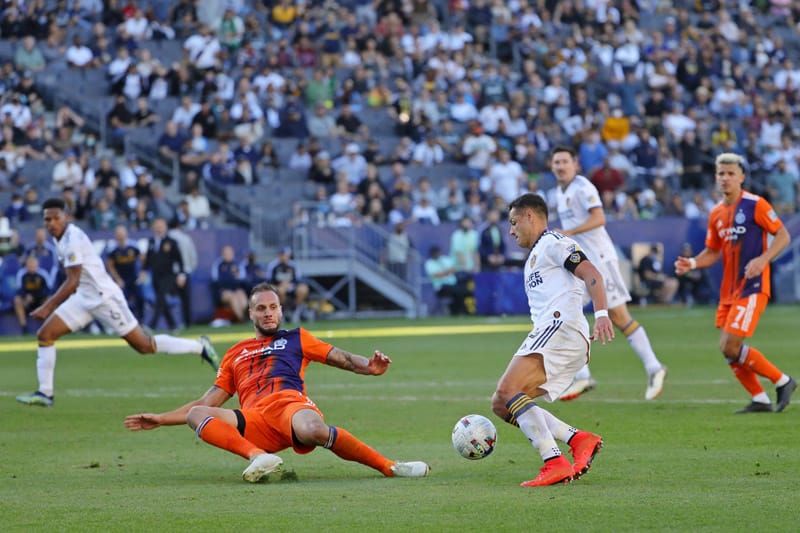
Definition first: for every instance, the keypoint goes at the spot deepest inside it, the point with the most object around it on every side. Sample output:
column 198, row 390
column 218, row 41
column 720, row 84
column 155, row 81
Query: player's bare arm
column 603, row 327
column 214, row 397
column 704, row 259
column 597, row 219
column 756, row 265
column 69, row 286
column 374, row 366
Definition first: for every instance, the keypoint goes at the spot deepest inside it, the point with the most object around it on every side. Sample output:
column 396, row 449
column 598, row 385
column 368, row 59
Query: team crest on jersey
column 575, row 258
column 71, row 258
column 739, row 218
column 532, row 261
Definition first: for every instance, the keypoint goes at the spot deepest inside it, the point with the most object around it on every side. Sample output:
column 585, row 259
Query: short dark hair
column 264, row 286
column 531, row 201
column 563, row 148
column 54, row 203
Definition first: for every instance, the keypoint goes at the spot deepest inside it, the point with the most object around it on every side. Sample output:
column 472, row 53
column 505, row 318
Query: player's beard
column 268, row 332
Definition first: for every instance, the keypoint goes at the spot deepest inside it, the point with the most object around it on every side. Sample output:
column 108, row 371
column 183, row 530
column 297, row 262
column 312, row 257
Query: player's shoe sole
column 555, row 471
column 784, row 394
column 209, row 354
column 261, row 466
column 578, row 387
column 410, row 469
column 655, row 384
column 755, row 407
column 36, row 398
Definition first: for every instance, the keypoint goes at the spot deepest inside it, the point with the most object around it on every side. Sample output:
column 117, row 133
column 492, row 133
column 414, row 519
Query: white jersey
column 75, row 248
column 573, row 206
column 555, row 295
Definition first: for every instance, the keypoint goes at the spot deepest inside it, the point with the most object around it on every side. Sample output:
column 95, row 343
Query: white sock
column 761, row 397
column 560, row 430
column 175, row 345
column 583, row 373
column 783, row 380
column 46, row 368
column 641, row 345
column 533, row 424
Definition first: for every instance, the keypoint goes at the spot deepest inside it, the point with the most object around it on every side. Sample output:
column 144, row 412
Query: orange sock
column 759, row 364
column 747, row 378
column 348, row 447
column 223, row 435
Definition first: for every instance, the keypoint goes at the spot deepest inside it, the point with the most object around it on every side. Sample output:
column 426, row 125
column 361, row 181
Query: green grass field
column 681, row 463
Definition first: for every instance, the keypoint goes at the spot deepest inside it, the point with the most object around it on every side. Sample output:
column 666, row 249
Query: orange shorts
column 741, row 317
column 269, row 426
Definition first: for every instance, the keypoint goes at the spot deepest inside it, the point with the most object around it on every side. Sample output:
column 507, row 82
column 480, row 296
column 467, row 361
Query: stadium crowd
column 391, row 111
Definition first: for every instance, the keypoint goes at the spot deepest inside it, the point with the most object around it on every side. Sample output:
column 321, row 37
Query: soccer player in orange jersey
column 738, row 231
column 275, row 413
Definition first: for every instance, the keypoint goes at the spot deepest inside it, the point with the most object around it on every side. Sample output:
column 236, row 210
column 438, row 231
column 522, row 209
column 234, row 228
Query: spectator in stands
column 171, row 141
column 130, row 172
column 228, row 284
column 28, row 56
column 33, row 288
column 428, row 153
column 783, row 187
column 321, row 123
column 292, row 120
column 199, row 207
column 15, row 212
column 350, row 127
column 254, row 271
column 425, row 212
column 78, row 55
column 144, row 116
column 184, row 114
column 202, row 50
column 161, row 205
column 441, row 272
column 478, row 148
column 352, row 163
column 397, row 251
column 119, row 119
column 292, row 288
column 464, row 245
column 67, row 172
column 123, row 262
column 659, row 286
column 321, row 171
column 492, row 246
column 104, row 216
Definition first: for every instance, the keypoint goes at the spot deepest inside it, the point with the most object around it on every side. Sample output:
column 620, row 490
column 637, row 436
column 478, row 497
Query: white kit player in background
column 582, row 218
column 89, row 293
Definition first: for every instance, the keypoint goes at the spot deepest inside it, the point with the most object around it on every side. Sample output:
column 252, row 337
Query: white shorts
column 564, row 349
column 616, row 290
column 112, row 312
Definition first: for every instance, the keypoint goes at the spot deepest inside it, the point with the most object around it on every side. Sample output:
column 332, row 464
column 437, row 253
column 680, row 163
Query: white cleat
column 655, row 384
column 411, row 469
column 261, row 466
column 578, row 387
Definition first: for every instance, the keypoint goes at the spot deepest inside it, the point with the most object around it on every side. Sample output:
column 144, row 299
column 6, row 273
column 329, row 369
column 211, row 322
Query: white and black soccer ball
column 474, row 437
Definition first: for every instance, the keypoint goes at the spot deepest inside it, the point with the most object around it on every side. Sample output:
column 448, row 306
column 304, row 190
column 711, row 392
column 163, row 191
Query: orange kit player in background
column 267, row 374
column 738, row 228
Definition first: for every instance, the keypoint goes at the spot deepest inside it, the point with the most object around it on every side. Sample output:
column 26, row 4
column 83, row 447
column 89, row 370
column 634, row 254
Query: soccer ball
column 474, row 437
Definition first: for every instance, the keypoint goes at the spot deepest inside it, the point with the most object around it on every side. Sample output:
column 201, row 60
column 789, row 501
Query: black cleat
column 755, row 407
column 784, row 394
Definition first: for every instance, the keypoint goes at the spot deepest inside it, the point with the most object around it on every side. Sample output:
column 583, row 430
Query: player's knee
column 312, row 432
column 196, row 415
column 499, row 405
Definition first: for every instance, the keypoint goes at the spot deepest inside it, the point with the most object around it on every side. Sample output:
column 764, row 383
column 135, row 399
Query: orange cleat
column 583, row 446
column 555, row 470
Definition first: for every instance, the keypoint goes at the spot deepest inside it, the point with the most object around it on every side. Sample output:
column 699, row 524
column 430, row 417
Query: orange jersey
column 256, row 368
column 739, row 231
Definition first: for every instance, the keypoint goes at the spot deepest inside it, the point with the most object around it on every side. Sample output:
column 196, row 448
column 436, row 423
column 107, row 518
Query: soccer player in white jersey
column 89, row 293
column 556, row 274
column 582, row 218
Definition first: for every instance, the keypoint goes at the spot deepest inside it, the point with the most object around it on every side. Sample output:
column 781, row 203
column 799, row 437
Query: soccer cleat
column 36, row 398
column 755, row 407
column 655, row 384
column 209, row 354
column 583, row 446
column 578, row 387
column 410, row 469
column 555, row 470
column 261, row 466
column 784, row 394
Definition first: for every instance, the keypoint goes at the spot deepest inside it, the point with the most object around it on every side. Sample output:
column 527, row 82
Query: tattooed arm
column 374, row 366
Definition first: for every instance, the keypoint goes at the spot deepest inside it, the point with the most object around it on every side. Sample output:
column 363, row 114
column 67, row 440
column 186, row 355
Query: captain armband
column 575, row 258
